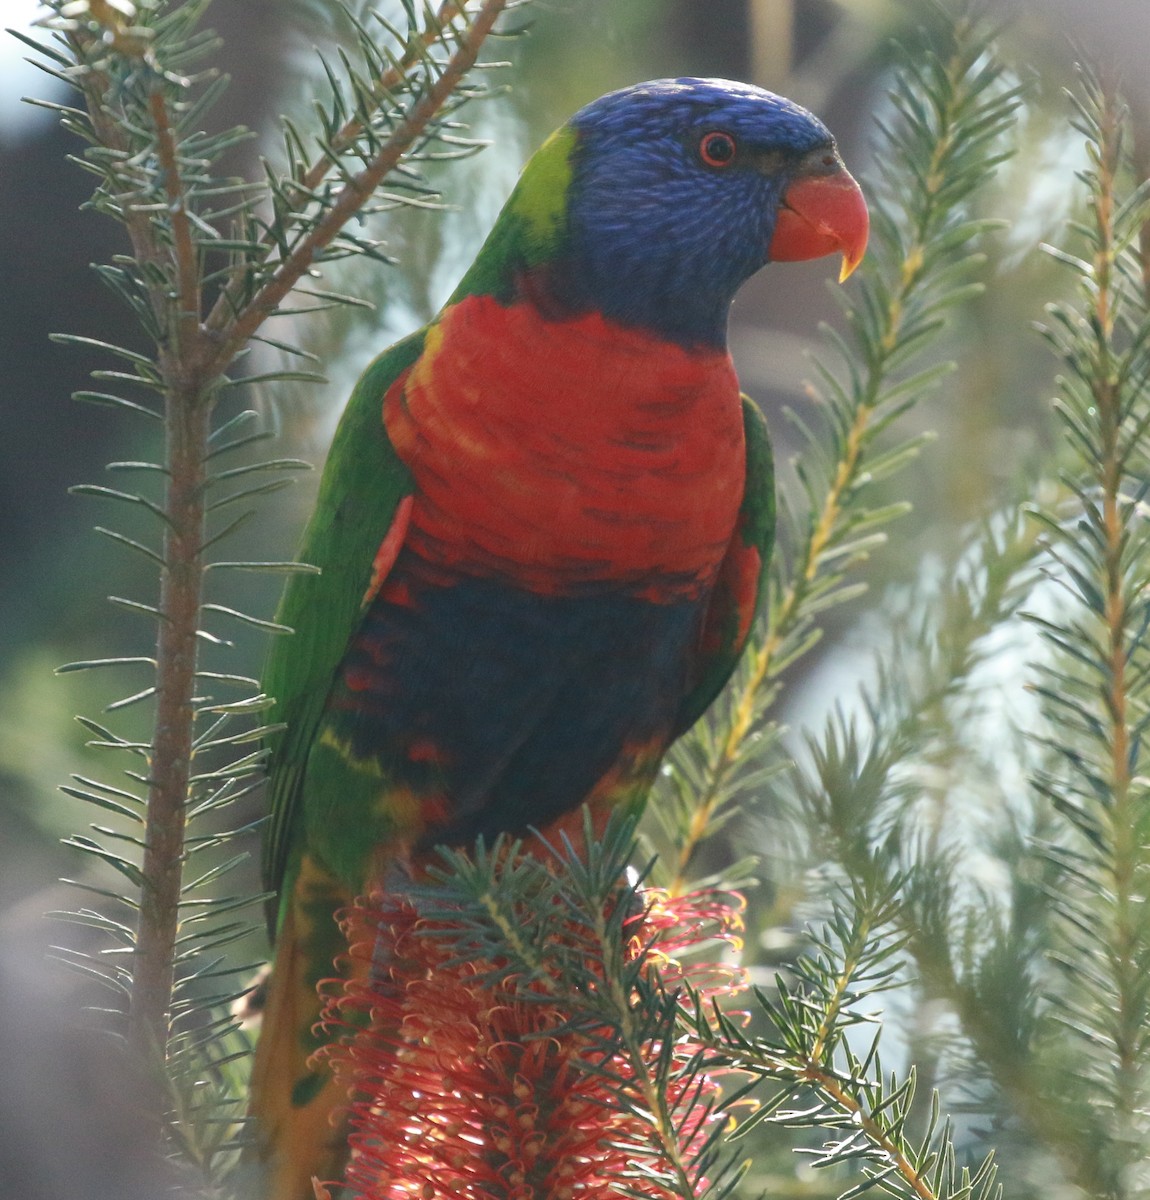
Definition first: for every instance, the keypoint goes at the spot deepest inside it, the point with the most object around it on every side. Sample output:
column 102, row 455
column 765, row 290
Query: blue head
column 674, row 200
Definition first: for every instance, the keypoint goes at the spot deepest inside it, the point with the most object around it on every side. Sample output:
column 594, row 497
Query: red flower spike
column 462, row 1091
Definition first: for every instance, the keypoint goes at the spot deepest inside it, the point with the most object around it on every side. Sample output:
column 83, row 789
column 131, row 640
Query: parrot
column 542, row 534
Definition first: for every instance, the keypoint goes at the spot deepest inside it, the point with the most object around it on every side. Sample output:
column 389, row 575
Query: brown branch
column 186, row 265
column 805, row 1068
column 352, row 129
column 232, row 328
column 788, row 615
column 833, row 1089
column 187, row 422
column 192, row 358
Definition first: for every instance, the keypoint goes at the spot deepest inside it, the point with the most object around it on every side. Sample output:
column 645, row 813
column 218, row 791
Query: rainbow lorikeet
column 542, row 530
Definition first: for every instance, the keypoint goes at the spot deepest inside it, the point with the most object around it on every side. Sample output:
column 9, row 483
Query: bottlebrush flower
column 470, row 1084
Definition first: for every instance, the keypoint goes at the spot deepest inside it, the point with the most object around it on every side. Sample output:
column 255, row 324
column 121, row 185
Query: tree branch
column 230, row 325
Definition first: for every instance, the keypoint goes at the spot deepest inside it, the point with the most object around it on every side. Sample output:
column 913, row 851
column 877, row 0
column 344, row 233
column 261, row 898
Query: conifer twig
column 953, row 111
column 1124, row 813
column 228, row 325
column 1094, row 688
column 155, row 176
column 353, row 127
column 187, row 415
column 808, row 1056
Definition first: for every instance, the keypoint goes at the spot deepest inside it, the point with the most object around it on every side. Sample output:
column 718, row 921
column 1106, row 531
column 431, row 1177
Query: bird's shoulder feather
column 360, row 496
column 740, row 590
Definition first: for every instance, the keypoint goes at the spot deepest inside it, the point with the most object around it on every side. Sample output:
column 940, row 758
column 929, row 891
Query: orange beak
column 822, row 214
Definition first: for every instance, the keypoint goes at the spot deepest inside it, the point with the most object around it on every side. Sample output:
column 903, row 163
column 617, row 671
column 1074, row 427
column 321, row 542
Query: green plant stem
column 1122, row 810
column 787, row 615
column 808, row 1070
column 663, row 1130
column 837, row 996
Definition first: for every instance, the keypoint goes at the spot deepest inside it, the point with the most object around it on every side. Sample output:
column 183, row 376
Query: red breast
column 566, row 453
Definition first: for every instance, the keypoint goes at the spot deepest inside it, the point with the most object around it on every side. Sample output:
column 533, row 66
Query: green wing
column 363, row 483
column 742, row 584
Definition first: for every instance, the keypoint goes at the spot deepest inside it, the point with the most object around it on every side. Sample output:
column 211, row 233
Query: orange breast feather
column 562, row 454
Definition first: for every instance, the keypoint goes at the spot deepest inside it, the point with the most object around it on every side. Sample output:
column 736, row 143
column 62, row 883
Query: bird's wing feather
column 741, row 587
column 359, row 503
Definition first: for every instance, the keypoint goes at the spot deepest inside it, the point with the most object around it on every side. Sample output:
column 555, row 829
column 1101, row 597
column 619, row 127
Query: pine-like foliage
column 951, row 105
column 988, row 785
column 1094, row 685
column 213, row 260
column 994, row 886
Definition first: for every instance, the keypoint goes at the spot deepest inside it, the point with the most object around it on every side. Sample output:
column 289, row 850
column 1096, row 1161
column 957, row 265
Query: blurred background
column 832, row 55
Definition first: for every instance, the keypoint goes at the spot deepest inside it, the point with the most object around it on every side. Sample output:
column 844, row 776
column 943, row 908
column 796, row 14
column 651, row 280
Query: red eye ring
column 717, row 149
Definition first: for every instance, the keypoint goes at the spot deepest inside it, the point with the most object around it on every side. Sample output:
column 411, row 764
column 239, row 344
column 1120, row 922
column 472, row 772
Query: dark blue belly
column 512, row 704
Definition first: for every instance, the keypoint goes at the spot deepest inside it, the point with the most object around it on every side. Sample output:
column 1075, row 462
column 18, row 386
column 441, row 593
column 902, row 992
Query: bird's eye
column 717, row 149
